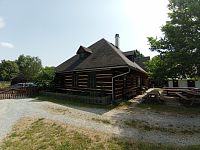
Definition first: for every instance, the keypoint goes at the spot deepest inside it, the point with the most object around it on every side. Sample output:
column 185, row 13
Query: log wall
column 124, row 86
column 103, row 82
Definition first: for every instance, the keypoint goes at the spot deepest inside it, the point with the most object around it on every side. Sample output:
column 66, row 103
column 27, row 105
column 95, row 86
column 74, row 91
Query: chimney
column 117, row 40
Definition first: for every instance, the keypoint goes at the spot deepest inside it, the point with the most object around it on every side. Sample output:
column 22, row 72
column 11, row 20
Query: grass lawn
column 37, row 134
column 4, row 84
column 177, row 110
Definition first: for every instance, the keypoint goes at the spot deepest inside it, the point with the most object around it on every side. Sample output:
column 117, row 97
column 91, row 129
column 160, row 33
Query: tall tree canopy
column 45, row 77
column 29, row 66
column 180, row 46
column 8, row 70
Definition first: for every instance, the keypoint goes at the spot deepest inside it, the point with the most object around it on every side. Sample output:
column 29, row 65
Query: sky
column 53, row 30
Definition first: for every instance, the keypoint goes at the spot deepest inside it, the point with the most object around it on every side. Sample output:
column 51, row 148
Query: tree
column 156, row 68
column 137, row 54
column 45, row 77
column 29, row 66
column 8, row 70
column 181, row 41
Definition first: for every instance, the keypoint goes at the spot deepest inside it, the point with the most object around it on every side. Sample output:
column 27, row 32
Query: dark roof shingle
column 103, row 55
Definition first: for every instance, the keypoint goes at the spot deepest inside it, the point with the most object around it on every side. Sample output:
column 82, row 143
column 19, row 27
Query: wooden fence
column 105, row 100
column 16, row 93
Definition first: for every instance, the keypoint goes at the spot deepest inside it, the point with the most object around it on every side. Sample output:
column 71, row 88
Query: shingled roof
column 103, row 55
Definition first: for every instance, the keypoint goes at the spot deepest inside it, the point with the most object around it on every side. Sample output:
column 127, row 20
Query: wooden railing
column 16, row 93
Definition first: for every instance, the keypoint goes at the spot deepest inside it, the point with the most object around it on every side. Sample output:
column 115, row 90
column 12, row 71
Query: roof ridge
column 96, row 42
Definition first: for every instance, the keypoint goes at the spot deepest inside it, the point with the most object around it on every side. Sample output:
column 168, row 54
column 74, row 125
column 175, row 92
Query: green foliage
column 45, row 77
column 4, row 84
column 137, row 54
column 157, row 69
column 180, row 45
column 29, row 66
column 8, row 70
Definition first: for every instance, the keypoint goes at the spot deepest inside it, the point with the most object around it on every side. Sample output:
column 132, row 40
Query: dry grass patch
column 105, row 121
column 146, row 126
column 37, row 134
column 65, row 111
column 57, row 110
column 124, row 105
column 181, row 110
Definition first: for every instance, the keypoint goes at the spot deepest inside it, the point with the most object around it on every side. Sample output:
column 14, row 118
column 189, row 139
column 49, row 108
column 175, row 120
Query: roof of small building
column 127, row 53
column 83, row 49
column 102, row 55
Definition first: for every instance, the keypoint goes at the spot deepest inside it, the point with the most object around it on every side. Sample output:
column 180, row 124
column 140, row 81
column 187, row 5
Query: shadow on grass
column 76, row 104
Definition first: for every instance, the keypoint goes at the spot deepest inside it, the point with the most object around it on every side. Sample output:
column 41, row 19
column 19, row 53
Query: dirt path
column 112, row 121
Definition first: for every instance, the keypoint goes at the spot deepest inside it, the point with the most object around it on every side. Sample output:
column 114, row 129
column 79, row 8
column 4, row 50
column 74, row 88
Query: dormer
column 83, row 52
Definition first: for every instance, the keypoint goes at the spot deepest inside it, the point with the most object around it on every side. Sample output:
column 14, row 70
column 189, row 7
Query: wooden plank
column 119, row 85
column 82, row 82
column 68, row 76
column 68, row 79
column 119, row 88
column 104, row 82
column 102, row 77
column 82, row 75
column 104, row 86
column 84, row 79
column 99, row 75
column 182, row 96
column 119, row 95
column 82, row 85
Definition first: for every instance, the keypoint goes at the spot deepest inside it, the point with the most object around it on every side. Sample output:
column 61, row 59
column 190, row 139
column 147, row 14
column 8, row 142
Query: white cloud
column 2, row 23
column 6, row 45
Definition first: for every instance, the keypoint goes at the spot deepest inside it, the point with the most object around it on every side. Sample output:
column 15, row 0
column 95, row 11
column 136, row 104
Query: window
column 82, row 55
column 75, row 80
column 92, row 80
column 175, row 83
column 138, row 82
column 191, row 83
column 125, row 81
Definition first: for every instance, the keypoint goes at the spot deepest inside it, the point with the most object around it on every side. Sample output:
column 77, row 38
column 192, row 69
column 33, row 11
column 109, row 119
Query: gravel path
column 12, row 110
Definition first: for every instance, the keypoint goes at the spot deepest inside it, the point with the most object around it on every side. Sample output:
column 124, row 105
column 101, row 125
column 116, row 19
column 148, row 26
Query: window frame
column 92, row 80
column 75, row 80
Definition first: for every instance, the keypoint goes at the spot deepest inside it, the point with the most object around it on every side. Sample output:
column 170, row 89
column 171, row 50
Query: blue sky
column 53, row 30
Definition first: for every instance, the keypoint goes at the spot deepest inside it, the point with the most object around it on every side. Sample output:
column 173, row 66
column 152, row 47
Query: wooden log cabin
column 100, row 70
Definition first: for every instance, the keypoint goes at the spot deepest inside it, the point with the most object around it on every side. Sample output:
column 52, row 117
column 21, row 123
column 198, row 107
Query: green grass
column 45, row 134
column 64, row 101
column 177, row 110
column 4, row 84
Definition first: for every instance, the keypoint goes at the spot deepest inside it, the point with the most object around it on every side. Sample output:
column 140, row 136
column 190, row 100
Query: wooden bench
column 152, row 97
column 172, row 92
column 192, row 100
column 182, row 96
